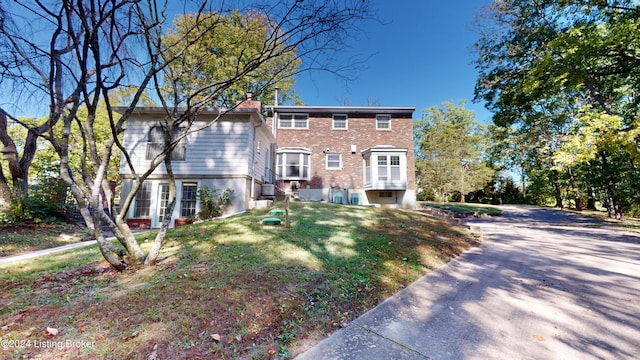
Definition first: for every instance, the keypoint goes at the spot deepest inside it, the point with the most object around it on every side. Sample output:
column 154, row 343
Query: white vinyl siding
column 221, row 149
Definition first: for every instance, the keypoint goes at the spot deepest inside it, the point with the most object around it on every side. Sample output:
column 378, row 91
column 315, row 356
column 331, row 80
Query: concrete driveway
column 544, row 284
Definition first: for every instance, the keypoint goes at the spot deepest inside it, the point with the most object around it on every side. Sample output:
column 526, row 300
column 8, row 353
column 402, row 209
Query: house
column 346, row 154
column 235, row 153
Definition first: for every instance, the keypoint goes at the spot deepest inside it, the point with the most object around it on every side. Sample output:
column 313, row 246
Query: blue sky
column 420, row 55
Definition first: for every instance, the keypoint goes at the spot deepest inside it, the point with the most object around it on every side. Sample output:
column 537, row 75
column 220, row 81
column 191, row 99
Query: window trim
column 138, row 211
column 281, row 161
column 193, row 200
column 293, row 121
column 378, row 119
column 346, row 122
column 179, row 153
column 326, row 161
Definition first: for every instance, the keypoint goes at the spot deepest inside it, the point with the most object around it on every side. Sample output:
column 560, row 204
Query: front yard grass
column 627, row 223
column 464, row 208
column 20, row 238
column 231, row 288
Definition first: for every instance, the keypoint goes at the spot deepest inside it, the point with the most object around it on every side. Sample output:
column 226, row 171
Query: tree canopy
column 556, row 70
column 90, row 55
column 449, row 150
column 231, row 44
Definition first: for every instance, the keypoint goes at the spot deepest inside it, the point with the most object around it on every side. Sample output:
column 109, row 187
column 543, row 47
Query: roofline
column 342, row 109
column 253, row 114
column 151, row 110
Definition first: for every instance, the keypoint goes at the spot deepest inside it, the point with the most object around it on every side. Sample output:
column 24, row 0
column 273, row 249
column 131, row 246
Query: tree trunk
column 576, row 195
column 613, row 204
column 558, row 195
column 19, row 168
column 154, row 252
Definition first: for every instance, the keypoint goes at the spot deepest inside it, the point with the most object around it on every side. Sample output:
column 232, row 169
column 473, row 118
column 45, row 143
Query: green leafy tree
column 449, row 150
column 86, row 51
column 541, row 61
column 233, row 42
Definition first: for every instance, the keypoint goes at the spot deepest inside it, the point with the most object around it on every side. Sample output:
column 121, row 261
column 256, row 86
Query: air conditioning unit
column 268, row 190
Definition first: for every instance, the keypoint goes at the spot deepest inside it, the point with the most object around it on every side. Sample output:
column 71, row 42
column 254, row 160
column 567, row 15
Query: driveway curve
column 544, row 284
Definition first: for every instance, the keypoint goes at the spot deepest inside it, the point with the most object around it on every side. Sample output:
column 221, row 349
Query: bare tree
column 94, row 48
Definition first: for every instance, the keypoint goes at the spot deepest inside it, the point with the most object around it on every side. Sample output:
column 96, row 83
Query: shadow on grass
column 235, row 288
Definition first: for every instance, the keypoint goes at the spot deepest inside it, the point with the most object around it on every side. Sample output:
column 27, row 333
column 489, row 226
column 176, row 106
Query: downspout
column 253, row 162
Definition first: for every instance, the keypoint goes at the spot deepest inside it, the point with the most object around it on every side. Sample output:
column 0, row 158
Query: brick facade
column 361, row 131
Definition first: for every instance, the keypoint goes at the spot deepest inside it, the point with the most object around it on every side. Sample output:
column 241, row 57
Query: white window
column 293, row 121
column 382, row 168
column 394, row 163
column 189, row 197
column 383, row 122
column 155, row 145
column 334, row 161
column 163, row 191
column 367, row 171
column 293, row 165
column 339, row 122
column 143, row 201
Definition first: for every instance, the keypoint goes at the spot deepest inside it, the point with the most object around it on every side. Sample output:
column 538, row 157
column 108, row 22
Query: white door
column 163, row 196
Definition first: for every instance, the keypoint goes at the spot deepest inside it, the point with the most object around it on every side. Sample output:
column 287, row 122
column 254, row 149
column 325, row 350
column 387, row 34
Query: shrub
column 213, row 204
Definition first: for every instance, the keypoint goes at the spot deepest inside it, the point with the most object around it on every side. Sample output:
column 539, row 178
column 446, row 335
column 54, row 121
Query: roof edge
column 343, row 109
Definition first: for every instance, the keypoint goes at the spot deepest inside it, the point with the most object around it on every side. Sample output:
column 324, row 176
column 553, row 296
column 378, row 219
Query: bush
column 634, row 211
column 43, row 203
column 212, row 205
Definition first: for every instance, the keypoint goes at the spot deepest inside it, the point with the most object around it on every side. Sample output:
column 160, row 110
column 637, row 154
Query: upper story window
column 155, row 145
column 383, row 122
column 334, row 161
column 339, row 122
column 293, row 121
column 293, row 164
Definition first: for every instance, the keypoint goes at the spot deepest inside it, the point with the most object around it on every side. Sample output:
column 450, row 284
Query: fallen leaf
column 51, row 331
column 538, row 337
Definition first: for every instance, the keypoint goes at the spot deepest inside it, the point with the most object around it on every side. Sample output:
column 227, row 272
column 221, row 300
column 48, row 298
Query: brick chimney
column 249, row 103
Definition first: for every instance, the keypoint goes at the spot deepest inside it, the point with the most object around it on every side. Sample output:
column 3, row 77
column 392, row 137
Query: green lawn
column 16, row 239
column 231, row 288
column 464, row 208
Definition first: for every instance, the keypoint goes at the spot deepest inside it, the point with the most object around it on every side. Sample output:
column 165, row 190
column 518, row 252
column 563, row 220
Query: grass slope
column 16, row 239
column 230, row 288
column 464, row 208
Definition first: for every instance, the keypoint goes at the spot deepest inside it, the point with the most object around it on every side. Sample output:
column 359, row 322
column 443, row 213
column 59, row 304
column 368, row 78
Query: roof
column 153, row 112
column 342, row 109
column 149, row 110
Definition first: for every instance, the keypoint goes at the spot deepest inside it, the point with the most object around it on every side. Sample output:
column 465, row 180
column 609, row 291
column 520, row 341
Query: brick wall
column 361, row 132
